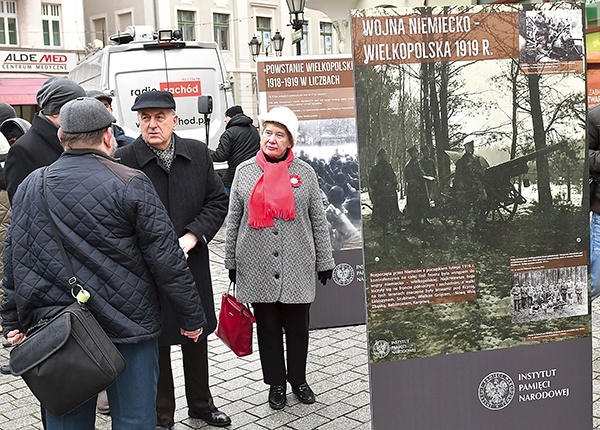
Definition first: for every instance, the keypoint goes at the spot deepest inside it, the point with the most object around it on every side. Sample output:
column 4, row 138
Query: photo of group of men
column 548, row 294
column 551, row 36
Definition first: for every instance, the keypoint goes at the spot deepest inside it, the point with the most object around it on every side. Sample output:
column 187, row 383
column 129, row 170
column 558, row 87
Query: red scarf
column 272, row 195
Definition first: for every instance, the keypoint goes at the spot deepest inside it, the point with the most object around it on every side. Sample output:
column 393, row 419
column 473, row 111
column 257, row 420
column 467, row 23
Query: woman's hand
column 324, row 276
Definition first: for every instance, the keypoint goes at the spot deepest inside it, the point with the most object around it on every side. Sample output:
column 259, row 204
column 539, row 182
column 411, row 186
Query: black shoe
column 304, row 393
column 167, row 427
column 277, row 398
column 5, row 369
column 214, row 418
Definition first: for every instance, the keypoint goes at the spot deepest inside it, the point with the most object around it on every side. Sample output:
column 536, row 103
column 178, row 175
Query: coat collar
column 145, row 155
column 85, row 151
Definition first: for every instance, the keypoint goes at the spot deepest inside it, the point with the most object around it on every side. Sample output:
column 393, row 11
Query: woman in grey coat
column 277, row 238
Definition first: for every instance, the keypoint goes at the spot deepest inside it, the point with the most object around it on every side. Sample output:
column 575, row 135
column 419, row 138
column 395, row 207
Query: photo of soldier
column 548, row 294
column 383, row 192
column 417, row 199
column 468, row 187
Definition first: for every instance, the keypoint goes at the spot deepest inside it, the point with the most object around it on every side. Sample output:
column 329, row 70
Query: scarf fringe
column 268, row 220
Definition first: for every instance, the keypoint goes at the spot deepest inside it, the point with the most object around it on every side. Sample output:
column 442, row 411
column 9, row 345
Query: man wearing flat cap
column 183, row 175
column 239, row 142
column 123, row 249
column 40, row 145
column 120, row 136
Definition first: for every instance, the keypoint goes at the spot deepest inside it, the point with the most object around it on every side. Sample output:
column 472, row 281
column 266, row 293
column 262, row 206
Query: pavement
column 337, row 372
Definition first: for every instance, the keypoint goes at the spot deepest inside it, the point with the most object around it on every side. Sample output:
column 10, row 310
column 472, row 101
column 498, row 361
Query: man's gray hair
column 90, row 139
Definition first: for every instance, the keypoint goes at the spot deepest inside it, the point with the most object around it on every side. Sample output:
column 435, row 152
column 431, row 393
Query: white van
column 141, row 62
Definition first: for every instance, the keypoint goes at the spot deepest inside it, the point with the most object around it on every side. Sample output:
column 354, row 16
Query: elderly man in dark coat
column 185, row 180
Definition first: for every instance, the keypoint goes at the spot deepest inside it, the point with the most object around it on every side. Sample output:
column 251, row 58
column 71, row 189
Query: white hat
column 284, row 116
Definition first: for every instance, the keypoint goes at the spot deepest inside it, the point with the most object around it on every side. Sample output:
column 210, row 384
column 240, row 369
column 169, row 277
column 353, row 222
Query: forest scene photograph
column 472, row 152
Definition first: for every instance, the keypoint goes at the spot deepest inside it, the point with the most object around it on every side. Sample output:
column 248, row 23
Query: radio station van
column 140, row 61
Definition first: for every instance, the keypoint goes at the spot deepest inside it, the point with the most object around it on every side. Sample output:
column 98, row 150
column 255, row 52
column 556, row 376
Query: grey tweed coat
column 277, row 263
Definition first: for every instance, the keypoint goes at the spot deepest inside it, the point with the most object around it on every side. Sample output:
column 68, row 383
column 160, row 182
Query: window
column 304, row 41
column 221, row 30
column 186, row 21
column 124, row 20
column 99, row 29
column 51, row 24
column 8, row 23
column 325, row 37
column 263, row 32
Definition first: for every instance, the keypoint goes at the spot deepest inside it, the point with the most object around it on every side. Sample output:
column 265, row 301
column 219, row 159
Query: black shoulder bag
column 68, row 359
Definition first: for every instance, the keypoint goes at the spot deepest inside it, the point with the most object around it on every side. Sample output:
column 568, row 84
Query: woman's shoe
column 277, row 397
column 304, row 393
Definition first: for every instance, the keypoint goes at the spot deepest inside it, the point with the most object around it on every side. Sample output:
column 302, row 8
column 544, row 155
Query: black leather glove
column 324, row 276
column 232, row 275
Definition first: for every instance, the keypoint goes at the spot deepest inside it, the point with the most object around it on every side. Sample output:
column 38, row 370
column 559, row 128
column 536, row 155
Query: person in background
column 593, row 139
column 187, row 184
column 13, row 128
column 277, row 237
column 239, row 142
column 120, row 136
column 6, row 112
column 121, row 243
column 40, row 145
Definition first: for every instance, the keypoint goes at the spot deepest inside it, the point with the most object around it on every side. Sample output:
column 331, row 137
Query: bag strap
column 72, row 279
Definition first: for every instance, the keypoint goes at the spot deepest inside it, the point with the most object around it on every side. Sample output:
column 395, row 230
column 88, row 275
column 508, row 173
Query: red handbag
column 235, row 325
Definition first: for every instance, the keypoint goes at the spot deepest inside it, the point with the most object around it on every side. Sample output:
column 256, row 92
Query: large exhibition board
column 319, row 89
column 471, row 143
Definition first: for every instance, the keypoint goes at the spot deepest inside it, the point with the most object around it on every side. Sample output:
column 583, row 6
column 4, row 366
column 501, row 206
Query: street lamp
column 254, row 45
column 276, row 41
column 296, row 8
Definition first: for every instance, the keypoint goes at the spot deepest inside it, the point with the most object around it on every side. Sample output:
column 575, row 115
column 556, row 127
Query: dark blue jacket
column 239, row 142
column 120, row 242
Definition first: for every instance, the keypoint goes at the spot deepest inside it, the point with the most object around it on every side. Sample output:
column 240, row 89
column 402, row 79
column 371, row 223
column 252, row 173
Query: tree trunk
column 539, row 138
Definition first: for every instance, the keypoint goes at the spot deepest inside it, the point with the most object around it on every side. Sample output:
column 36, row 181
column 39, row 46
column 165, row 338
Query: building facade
column 38, row 39
column 231, row 23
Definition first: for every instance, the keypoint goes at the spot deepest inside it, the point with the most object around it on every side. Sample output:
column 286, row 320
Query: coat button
column 276, row 275
column 276, row 254
column 275, row 232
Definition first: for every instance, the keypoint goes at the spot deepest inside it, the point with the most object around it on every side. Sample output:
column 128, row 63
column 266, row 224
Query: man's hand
column 14, row 337
column 194, row 335
column 187, row 242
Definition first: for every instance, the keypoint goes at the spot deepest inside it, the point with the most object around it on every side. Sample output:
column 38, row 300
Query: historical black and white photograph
column 551, row 36
column 329, row 146
column 548, row 294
